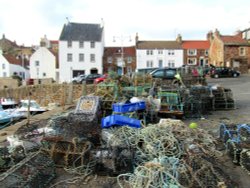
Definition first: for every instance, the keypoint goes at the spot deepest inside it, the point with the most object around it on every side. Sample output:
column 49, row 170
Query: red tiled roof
column 233, row 39
column 195, row 44
column 13, row 60
column 54, row 42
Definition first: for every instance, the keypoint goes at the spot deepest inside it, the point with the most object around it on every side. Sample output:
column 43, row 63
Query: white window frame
column 3, row 66
column 149, row 52
column 171, row 63
column 81, row 44
column 242, row 51
column 69, row 57
column 160, row 52
column 92, row 44
column 193, row 60
column 92, row 58
column 69, row 44
column 170, row 52
column 206, row 52
column 191, row 52
column 81, row 57
column 110, row 59
column 129, row 59
column 149, row 64
column 37, row 63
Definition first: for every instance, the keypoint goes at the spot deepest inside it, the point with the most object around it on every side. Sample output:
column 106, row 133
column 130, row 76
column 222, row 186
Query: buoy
column 193, row 125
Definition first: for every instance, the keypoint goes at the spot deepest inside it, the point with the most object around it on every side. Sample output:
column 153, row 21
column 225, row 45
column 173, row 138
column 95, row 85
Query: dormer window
column 69, row 44
column 92, row 44
column 81, row 44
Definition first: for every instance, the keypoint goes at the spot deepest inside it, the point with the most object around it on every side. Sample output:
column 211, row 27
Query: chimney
column 179, row 38
column 217, row 33
column 209, row 35
column 3, row 36
column 136, row 39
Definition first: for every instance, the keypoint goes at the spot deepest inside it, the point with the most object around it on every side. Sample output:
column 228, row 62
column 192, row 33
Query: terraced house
column 157, row 54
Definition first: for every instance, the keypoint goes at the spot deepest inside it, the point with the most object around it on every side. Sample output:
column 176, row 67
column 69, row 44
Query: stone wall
column 8, row 83
column 51, row 93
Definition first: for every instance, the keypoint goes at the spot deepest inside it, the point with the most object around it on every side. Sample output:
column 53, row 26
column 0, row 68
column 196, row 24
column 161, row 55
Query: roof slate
column 158, row 45
column 81, row 32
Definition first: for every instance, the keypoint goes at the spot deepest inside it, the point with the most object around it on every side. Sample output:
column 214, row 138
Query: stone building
column 229, row 51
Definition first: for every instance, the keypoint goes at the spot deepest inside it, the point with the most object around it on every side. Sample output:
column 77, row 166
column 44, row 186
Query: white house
column 81, row 48
column 10, row 65
column 157, row 54
column 44, row 64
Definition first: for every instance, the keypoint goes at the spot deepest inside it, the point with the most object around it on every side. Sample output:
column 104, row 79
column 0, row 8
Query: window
column 69, row 57
column 92, row 57
column 206, row 52
column 81, row 44
column 159, row 74
column 171, row 63
column 160, row 63
column 129, row 69
column 149, row 63
column 3, row 66
column 242, row 51
column 191, row 61
column 81, row 57
column 170, row 52
column 92, row 44
column 69, row 44
column 160, row 52
column 4, row 74
column 191, row 52
column 129, row 59
column 110, row 60
column 44, row 74
column 36, row 63
column 149, row 52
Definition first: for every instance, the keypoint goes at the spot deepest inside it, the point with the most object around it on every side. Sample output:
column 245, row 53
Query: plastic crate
column 128, row 107
column 119, row 120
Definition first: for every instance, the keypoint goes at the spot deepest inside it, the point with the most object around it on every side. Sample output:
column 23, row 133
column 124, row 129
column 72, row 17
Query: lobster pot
column 245, row 160
column 114, row 161
column 223, row 99
column 65, row 153
column 36, row 170
column 244, row 135
column 206, row 172
column 82, row 125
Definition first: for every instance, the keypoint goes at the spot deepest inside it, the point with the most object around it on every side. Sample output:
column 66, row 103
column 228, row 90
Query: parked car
column 89, row 79
column 101, row 79
column 164, row 73
column 78, row 78
column 219, row 72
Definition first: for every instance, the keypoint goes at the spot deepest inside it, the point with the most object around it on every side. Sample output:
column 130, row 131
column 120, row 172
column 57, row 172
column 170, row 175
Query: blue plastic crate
column 119, row 120
column 128, row 107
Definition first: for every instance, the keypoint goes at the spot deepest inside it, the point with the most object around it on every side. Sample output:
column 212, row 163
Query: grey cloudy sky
column 27, row 21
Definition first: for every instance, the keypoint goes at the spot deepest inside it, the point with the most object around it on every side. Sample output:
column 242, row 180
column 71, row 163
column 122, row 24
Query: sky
column 27, row 21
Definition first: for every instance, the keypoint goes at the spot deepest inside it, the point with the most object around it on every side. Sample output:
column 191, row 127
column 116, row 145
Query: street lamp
column 122, row 38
